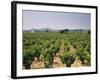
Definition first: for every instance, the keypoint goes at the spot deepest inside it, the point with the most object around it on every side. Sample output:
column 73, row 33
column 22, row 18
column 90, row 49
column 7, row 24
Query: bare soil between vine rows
column 57, row 63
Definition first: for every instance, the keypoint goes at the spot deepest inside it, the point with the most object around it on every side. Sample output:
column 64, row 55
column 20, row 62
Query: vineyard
column 56, row 49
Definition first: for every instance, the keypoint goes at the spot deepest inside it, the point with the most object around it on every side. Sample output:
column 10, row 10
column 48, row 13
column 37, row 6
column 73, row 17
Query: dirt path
column 72, row 50
column 57, row 60
column 37, row 64
column 77, row 62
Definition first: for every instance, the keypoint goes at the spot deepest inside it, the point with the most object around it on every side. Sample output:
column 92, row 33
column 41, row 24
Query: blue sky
column 55, row 20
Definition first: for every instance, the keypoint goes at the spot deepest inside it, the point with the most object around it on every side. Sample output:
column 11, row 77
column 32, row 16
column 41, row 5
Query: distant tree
column 63, row 31
column 89, row 32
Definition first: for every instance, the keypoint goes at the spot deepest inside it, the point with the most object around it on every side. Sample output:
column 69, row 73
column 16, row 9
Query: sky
column 55, row 20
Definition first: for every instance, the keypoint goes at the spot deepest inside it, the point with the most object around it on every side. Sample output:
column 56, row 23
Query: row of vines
column 44, row 46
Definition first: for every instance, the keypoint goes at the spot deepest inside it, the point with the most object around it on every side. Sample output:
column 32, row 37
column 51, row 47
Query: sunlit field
column 56, row 49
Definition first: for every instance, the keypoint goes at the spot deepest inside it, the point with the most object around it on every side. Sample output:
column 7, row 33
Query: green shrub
column 68, row 58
